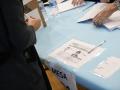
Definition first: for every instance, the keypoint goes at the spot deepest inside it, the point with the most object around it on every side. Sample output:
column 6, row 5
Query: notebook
column 111, row 23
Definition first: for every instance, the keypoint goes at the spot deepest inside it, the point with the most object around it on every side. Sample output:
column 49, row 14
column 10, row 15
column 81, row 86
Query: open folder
column 67, row 5
column 111, row 23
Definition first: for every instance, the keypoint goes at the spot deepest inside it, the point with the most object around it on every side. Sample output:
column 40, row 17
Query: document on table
column 108, row 67
column 111, row 23
column 67, row 5
column 75, row 53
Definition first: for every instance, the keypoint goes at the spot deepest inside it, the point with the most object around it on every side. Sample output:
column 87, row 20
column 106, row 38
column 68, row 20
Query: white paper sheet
column 26, row 1
column 95, row 9
column 108, row 67
column 34, row 13
column 59, row 1
column 111, row 23
column 67, row 5
column 75, row 53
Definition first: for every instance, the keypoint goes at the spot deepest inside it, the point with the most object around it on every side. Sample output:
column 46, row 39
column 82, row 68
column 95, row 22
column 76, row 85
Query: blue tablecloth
column 64, row 27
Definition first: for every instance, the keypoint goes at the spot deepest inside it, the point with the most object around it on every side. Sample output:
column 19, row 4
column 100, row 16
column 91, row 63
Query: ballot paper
column 111, row 23
column 108, row 67
column 75, row 53
column 26, row 1
column 67, row 5
column 59, row 1
column 34, row 13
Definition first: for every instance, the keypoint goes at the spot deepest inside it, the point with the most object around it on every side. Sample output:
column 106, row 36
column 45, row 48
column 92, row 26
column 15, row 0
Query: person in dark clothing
column 17, row 39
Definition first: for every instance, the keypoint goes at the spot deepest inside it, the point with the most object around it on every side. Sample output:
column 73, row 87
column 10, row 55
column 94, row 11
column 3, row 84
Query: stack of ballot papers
column 76, row 53
column 67, row 5
column 111, row 23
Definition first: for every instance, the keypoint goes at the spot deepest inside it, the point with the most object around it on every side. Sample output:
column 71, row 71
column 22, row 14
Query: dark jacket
column 15, row 39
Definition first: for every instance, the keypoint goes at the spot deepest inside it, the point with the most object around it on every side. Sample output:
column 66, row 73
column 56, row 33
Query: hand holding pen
column 31, row 21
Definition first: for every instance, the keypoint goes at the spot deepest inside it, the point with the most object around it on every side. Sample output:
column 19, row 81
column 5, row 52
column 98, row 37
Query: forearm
column 112, row 7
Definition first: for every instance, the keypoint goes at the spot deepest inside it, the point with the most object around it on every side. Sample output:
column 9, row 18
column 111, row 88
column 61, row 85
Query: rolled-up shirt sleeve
column 20, row 35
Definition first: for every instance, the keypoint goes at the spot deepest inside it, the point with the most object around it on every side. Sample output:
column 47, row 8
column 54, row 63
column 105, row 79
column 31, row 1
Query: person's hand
column 77, row 2
column 36, row 23
column 104, row 14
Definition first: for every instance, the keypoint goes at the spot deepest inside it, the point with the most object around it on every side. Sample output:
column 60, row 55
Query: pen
column 96, row 46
